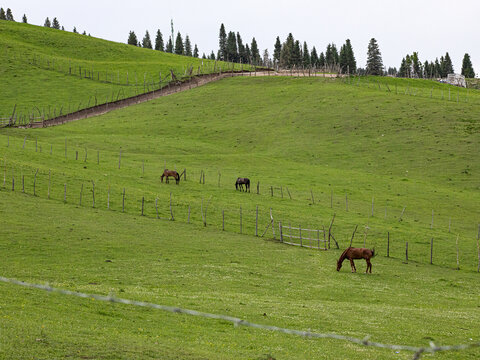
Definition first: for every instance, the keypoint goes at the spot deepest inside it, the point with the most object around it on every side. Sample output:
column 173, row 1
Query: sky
column 430, row 27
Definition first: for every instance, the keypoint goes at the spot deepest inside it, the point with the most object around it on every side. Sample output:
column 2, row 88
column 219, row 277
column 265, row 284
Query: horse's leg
column 161, row 178
column 352, row 264
column 369, row 265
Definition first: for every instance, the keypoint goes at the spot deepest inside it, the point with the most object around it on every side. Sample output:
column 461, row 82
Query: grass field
column 46, row 71
column 394, row 153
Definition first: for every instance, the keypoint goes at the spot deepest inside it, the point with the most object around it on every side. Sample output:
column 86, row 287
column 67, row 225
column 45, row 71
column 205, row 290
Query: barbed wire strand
column 418, row 351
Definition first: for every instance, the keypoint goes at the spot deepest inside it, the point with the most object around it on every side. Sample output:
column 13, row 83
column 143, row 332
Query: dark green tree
column 231, row 52
column 297, row 54
column 85, row 33
column 179, row 49
column 306, row 61
column 351, row 62
column 169, row 47
column 9, row 15
column 195, row 51
column 159, row 41
column 242, row 56
column 188, row 46
column 286, row 54
column 467, row 67
column 212, row 55
column 448, row 65
column 374, row 59
column 132, row 38
column 204, row 56
column 75, row 31
column 255, row 52
column 277, row 50
column 24, row 19
column 417, row 69
column 47, row 22
column 402, row 71
column 2, row 14
column 321, row 60
column 314, row 57
column 55, row 24
column 331, row 56
column 437, row 69
column 147, row 42
column 222, row 43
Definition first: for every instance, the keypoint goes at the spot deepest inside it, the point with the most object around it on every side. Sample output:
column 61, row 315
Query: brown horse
column 167, row 173
column 356, row 253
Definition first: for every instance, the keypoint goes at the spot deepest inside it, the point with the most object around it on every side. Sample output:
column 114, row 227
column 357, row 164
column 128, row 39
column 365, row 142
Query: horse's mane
column 344, row 254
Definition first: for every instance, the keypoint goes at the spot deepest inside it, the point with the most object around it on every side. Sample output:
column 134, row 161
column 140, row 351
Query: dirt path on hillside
column 196, row 81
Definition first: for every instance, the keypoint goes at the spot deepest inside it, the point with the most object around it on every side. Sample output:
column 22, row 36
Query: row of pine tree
column 290, row 54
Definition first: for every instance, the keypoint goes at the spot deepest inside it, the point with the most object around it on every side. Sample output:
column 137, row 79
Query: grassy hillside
column 175, row 264
column 46, row 69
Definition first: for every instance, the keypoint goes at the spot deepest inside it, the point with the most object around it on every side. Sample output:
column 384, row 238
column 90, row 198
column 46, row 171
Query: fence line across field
column 418, row 351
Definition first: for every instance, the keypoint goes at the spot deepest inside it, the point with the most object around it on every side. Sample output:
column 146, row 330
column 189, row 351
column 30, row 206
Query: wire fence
column 418, row 351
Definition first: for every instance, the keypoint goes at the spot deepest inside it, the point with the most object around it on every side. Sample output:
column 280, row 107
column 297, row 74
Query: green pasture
column 47, row 71
column 176, row 264
column 392, row 157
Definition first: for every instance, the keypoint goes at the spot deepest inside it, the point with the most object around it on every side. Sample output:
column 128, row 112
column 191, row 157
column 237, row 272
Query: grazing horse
column 356, row 253
column 242, row 181
column 171, row 173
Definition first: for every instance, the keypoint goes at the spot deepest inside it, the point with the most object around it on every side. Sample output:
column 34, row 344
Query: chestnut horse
column 356, row 253
column 242, row 181
column 171, row 173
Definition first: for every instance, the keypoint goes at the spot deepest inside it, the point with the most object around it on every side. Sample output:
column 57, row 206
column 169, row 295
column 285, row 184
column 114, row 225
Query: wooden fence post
column 271, row 190
column 81, row 192
column 388, row 244
column 406, row 251
column 313, row 199
column 93, row 194
column 34, row 182
column 300, row 234
column 258, row 187
column 256, row 222
column 401, row 215
column 431, row 251
column 458, row 261
column 281, row 230
column 354, row 231
column 288, row 191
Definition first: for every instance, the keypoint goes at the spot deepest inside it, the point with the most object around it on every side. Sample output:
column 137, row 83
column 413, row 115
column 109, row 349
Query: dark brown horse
column 242, row 181
column 167, row 173
column 356, row 253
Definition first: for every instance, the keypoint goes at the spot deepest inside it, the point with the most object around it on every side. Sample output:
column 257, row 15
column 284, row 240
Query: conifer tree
column 212, row 56
column 374, row 59
column 222, row 43
column 204, row 56
column 132, row 38
column 179, row 49
column 402, row 71
column 75, row 31
column 306, row 56
column 159, row 41
column 248, row 54
column 297, row 54
column 331, row 56
column 47, row 22
column 321, row 60
column 9, row 15
column 277, row 50
column 2, row 14
column 467, row 68
column 314, row 57
column 63, row 29
column 169, row 47
column 448, row 65
column 195, row 51
column 24, row 19
column 85, row 33
column 147, row 42
column 55, row 24
column 232, row 52
column 351, row 63
column 255, row 52
column 286, row 54
column 188, row 46
column 242, row 57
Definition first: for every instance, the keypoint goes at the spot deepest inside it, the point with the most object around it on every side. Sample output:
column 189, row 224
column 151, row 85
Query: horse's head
column 339, row 265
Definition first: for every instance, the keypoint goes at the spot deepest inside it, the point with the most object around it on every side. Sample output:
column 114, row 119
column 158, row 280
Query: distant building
column 456, row 79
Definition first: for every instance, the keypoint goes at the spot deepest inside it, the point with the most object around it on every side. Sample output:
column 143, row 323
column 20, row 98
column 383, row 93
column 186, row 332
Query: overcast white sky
column 431, row 27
